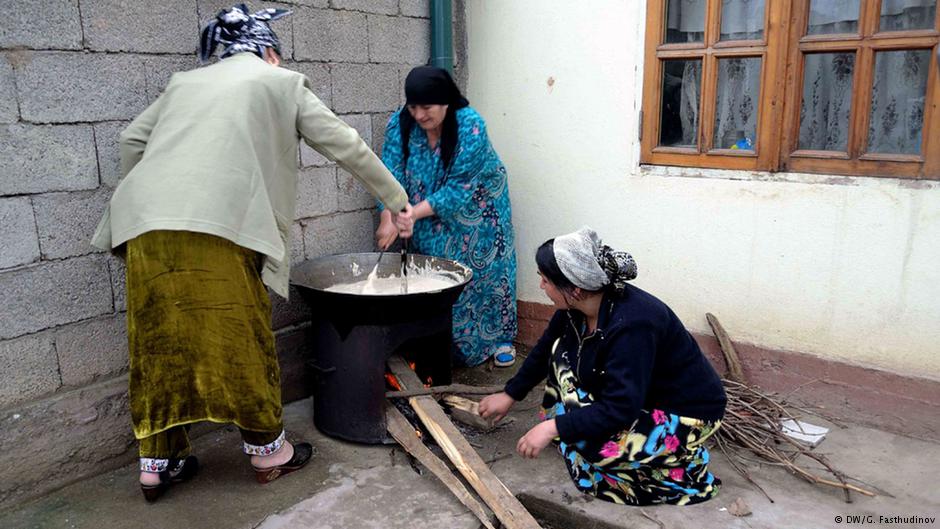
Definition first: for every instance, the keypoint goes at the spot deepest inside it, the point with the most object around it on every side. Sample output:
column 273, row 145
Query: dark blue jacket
column 640, row 357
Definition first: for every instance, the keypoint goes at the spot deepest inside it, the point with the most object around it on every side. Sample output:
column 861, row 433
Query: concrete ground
column 362, row 487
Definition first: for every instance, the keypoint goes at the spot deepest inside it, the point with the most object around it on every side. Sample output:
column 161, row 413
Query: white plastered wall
column 845, row 268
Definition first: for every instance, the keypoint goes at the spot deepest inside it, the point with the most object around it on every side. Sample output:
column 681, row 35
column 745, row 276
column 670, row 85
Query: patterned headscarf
column 590, row 264
column 238, row 30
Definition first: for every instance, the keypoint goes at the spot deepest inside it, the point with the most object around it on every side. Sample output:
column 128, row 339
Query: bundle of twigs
column 753, row 422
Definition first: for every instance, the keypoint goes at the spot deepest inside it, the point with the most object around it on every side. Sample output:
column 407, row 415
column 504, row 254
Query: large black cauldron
column 354, row 335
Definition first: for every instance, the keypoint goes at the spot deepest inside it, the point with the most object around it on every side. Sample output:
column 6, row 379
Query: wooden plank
column 462, row 389
column 404, row 433
column 468, row 412
column 510, row 512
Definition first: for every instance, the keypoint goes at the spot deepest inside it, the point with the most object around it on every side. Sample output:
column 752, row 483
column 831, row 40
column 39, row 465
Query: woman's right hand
column 387, row 232
column 496, row 405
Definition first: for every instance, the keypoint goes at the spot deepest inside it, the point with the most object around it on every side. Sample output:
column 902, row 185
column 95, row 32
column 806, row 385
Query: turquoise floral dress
column 472, row 224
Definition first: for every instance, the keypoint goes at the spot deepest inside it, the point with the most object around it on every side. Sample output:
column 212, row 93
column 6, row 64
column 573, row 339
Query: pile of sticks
column 753, row 422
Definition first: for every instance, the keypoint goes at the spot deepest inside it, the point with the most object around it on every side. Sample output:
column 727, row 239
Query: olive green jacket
column 217, row 153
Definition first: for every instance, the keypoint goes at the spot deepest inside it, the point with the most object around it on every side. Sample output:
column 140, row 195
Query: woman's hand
column 405, row 221
column 496, row 405
column 532, row 443
column 387, row 232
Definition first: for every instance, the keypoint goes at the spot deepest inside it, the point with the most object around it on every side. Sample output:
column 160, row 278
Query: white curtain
column 900, row 81
column 737, row 102
column 827, row 101
column 897, row 94
column 897, row 101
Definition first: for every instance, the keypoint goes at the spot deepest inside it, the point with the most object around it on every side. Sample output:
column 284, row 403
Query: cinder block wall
column 73, row 73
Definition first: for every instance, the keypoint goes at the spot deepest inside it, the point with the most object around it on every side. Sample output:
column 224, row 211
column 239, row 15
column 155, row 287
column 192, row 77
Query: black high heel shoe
column 302, row 454
column 177, row 472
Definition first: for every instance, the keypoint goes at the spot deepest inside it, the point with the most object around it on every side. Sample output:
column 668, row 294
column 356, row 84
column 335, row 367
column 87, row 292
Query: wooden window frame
column 782, row 52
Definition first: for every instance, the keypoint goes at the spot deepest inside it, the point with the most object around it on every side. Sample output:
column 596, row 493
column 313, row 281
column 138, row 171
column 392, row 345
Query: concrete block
column 415, row 8
column 316, row 190
column 41, row 24
column 296, row 243
column 67, row 221
column 352, row 196
column 9, row 110
column 284, row 27
column 18, row 237
column 340, row 233
column 290, row 311
column 29, row 368
column 36, row 450
column 45, row 295
column 117, row 272
column 309, row 157
column 319, row 75
column 62, row 87
column 363, row 125
column 399, row 39
column 324, row 35
column 38, row 159
column 403, row 71
column 385, row 7
column 159, row 69
column 366, row 87
column 109, row 152
column 379, row 124
column 150, row 27
column 310, row 3
column 93, row 349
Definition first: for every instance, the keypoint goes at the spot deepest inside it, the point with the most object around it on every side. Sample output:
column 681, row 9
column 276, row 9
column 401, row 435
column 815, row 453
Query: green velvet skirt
column 199, row 331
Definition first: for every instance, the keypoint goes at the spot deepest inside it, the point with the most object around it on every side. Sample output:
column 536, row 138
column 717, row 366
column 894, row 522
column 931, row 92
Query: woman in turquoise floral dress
column 438, row 149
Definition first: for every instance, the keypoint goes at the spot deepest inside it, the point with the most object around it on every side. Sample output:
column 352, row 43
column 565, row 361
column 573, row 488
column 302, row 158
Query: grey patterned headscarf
column 590, row 264
column 239, row 30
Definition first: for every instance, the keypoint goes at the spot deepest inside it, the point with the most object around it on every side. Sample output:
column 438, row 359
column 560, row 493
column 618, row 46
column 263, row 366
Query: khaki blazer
column 217, row 153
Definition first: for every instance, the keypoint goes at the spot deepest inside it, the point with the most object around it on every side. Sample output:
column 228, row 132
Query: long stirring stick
column 404, row 266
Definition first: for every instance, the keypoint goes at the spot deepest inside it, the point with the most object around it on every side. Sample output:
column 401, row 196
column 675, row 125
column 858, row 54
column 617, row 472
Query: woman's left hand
column 532, row 443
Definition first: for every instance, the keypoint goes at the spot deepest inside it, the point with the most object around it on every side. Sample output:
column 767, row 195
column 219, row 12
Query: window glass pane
column 685, row 21
column 833, row 16
column 742, row 20
column 827, row 100
column 736, row 103
column 900, row 15
column 897, row 101
column 682, row 84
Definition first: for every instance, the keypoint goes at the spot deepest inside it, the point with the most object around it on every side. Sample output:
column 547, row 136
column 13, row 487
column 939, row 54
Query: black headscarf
column 239, row 30
column 430, row 85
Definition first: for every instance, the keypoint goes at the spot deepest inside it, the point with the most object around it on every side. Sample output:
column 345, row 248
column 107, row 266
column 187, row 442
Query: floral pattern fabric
column 151, row 464
column 264, row 450
column 472, row 224
column 660, row 459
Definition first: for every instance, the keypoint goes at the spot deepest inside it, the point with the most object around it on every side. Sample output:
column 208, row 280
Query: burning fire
column 392, row 381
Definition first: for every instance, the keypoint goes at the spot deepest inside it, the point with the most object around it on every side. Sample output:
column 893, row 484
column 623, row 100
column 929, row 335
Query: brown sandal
column 302, row 454
column 183, row 471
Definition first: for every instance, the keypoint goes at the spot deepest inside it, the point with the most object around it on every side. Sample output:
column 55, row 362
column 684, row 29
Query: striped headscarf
column 239, row 30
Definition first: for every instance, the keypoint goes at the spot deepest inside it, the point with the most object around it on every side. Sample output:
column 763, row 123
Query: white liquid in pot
column 391, row 286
